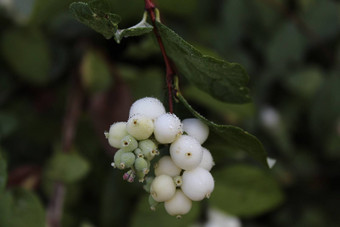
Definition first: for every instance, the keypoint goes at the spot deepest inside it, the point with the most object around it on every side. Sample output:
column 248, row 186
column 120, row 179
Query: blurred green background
column 62, row 85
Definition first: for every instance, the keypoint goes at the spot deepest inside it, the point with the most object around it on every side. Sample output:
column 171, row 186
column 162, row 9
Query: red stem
column 170, row 72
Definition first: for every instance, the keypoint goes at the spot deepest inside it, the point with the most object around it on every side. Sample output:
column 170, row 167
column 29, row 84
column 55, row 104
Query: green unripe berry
column 128, row 143
column 141, row 165
column 116, row 133
column 147, row 184
column 178, row 181
column 149, row 148
column 139, row 153
column 141, row 176
column 153, row 203
column 127, row 159
column 117, row 158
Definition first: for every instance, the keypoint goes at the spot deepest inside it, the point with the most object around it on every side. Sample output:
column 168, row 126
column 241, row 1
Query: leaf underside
column 96, row 14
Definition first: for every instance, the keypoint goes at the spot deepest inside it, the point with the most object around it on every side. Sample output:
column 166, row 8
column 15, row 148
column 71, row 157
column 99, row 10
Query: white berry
column 166, row 166
column 148, row 106
column 197, row 184
column 186, row 152
column 207, row 160
column 116, row 133
column 196, row 128
column 162, row 188
column 167, row 128
column 179, row 204
column 140, row 126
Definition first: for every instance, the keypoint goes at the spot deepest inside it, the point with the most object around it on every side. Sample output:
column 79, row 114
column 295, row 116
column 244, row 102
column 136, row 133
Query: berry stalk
column 170, row 72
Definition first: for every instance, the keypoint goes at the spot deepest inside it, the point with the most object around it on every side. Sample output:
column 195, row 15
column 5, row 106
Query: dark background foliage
column 62, row 85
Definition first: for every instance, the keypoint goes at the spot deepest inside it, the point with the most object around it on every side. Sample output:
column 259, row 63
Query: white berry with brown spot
column 140, row 126
column 186, row 152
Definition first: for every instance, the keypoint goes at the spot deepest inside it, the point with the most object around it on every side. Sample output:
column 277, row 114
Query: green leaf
column 139, row 29
column 234, row 112
column 96, row 14
column 245, row 191
column 222, row 80
column 95, row 72
column 3, row 173
column 144, row 216
column 234, row 137
column 28, row 54
column 93, row 15
column 21, row 208
column 66, row 167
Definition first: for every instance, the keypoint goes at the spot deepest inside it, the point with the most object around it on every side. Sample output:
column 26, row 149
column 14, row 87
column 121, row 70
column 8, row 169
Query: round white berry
column 179, row 204
column 207, row 160
column 167, row 127
column 196, row 128
column 140, row 126
column 150, row 107
column 186, row 152
column 197, row 184
column 162, row 188
column 166, row 166
column 116, row 133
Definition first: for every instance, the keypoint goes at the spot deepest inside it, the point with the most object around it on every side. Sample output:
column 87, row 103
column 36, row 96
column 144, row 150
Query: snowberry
column 141, row 165
column 197, row 184
column 116, row 133
column 129, row 176
column 178, row 205
column 128, row 143
column 140, row 126
column 139, row 153
column 207, row 160
column 178, row 181
column 149, row 107
column 167, row 128
column 117, row 158
column 196, row 128
column 153, row 203
column 126, row 160
column 186, row 152
column 165, row 165
column 149, row 148
column 162, row 188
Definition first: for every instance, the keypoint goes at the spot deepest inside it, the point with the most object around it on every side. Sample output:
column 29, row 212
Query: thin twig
column 170, row 72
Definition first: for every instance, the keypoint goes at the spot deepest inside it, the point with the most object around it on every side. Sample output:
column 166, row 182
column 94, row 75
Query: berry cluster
column 182, row 176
